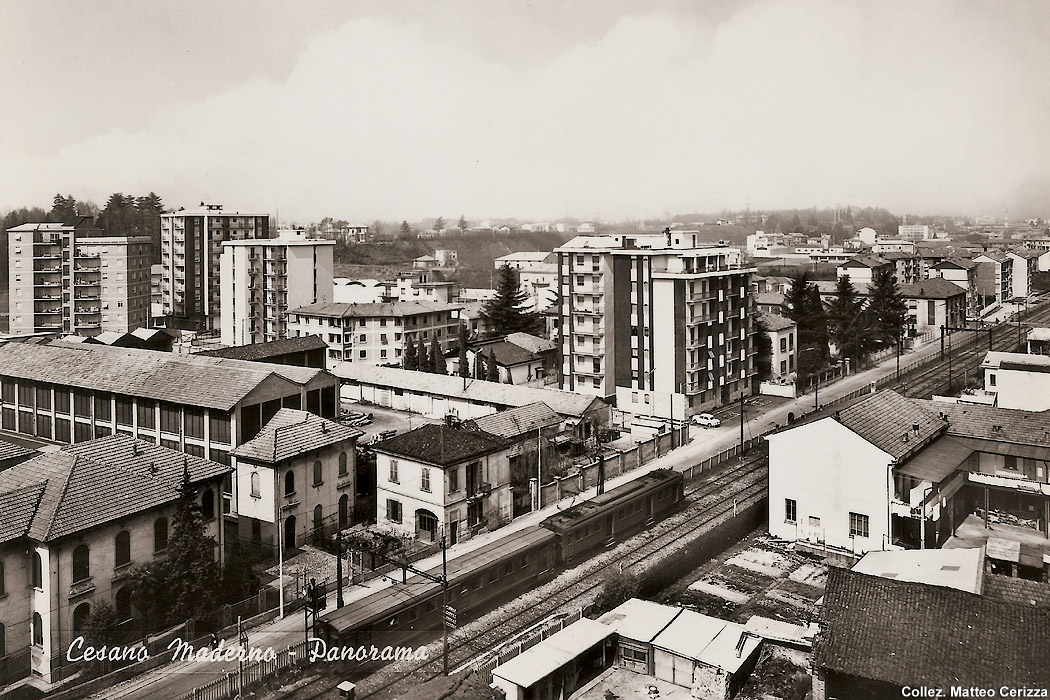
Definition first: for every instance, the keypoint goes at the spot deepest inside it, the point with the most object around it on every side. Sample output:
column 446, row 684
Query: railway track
column 748, row 481
column 967, row 352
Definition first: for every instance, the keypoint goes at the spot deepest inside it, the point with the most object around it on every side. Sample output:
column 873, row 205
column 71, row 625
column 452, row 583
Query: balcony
column 478, row 491
column 595, row 330
column 46, row 297
column 81, row 282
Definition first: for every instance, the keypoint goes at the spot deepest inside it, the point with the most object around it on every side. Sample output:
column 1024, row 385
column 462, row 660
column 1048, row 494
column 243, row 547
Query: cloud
column 916, row 106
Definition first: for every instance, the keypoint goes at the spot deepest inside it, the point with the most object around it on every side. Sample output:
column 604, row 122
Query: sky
column 536, row 110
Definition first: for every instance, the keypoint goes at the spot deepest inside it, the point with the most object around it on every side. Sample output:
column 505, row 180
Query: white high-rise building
column 260, row 280
column 191, row 242
column 913, row 232
column 662, row 322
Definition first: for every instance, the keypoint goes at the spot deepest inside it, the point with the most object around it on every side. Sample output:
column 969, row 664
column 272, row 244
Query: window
column 147, row 417
column 194, row 422
column 102, row 407
column 160, row 534
column 991, row 380
column 858, row 525
column 342, row 464
column 1010, row 462
column 61, row 401
column 208, row 504
column 318, row 473
column 393, row 510
column 38, row 571
column 81, row 563
column 289, row 483
column 425, row 479
column 82, row 404
column 80, row 616
column 453, row 479
column 393, row 471
column 43, row 397
column 318, row 518
column 122, row 549
column 783, row 345
column 790, row 510
column 256, row 493
column 8, row 392
column 219, row 426
column 38, row 630
column 123, row 603
column 170, row 420
column 125, row 412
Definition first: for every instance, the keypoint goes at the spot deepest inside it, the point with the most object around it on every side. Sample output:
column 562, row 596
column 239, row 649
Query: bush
column 617, row 588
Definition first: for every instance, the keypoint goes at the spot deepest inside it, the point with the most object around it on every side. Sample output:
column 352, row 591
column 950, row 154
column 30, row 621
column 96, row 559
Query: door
column 814, row 531
column 289, row 533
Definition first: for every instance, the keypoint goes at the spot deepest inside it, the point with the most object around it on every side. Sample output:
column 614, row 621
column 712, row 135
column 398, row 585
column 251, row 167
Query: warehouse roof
column 565, row 403
column 189, row 379
column 273, row 348
column 375, row 309
column 292, row 432
column 73, row 489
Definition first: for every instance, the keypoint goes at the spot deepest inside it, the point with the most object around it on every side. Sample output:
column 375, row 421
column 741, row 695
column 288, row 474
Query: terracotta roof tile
column 442, row 445
column 887, row 420
column 517, row 421
column 291, row 433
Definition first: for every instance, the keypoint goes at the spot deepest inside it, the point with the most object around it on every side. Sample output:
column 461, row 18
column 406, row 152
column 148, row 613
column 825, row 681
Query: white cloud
column 917, row 106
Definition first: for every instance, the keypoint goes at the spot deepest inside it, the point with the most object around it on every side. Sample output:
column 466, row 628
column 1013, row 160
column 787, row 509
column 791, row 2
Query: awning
column 1006, row 448
column 937, row 461
column 553, row 653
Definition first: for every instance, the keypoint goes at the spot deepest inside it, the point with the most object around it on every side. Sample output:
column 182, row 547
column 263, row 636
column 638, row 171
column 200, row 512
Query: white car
column 706, row 420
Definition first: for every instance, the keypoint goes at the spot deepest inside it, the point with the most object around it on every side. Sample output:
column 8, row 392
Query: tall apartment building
column 376, row 334
column 191, row 243
column 913, row 232
column 260, row 280
column 70, row 278
column 662, row 322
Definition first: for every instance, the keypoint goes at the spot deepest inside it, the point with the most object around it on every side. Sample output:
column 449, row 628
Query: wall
column 1024, row 391
column 829, row 471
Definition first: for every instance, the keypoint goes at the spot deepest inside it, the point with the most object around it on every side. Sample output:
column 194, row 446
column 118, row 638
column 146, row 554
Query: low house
column 1039, row 341
column 557, row 666
column 76, row 522
column 880, row 637
column 773, row 303
column 933, row 304
column 520, row 358
column 963, row 273
column 298, row 472
column 783, row 334
column 1018, row 380
column 443, row 480
column 862, row 269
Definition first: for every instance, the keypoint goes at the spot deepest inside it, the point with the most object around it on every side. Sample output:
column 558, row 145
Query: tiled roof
column 532, row 343
column 956, row 262
column 865, row 261
column 507, row 354
column 517, row 421
column 441, row 444
column 292, row 432
column 775, row 322
column 273, row 348
column 375, row 309
column 990, row 423
column 190, row 379
column 1018, row 591
column 92, row 483
column 933, row 288
column 913, row 634
column 885, row 418
column 769, row 299
column 1026, row 253
column 9, row 450
column 565, row 403
column 994, row 256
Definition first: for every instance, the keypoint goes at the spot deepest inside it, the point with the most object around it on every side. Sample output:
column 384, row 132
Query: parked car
column 706, row 420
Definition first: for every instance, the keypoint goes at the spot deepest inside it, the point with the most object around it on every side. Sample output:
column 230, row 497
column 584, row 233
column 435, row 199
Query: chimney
column 915, row 428
column 152, row 467
column 134, row 447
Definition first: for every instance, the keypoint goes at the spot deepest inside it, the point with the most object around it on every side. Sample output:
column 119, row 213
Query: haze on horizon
column 540, row 109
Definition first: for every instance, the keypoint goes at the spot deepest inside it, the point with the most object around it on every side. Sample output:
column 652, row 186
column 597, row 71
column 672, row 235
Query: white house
column 1018, row 380
column 832, row 481
column 783, row 333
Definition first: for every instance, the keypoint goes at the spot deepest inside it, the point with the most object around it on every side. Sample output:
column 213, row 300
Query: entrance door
column 289, row 533
column 814, row 533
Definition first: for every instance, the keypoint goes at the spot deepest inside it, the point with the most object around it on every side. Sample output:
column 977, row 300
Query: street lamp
column 816, row 379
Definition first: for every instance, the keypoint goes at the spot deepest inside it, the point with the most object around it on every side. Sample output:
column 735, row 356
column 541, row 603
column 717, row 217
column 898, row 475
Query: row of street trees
column 857, row 326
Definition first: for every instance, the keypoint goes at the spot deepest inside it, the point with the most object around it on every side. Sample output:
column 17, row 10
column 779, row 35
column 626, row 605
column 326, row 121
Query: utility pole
column 444, row 606
column 949, row 362
column 339, row 569
column 243, row 639
column 741, row 424
column 539, row 468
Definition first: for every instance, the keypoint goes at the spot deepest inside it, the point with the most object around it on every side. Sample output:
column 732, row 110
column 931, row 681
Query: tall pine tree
column 807, row 311
column 191, row 562
column 491, row 368
column 411, row 359
column 510, row 311
column 463, row 366
column 887, row 309
column 847, row 322
column 437, row 357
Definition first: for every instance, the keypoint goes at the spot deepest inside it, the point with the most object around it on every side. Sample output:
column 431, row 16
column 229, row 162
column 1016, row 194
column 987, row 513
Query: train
column 408, row 613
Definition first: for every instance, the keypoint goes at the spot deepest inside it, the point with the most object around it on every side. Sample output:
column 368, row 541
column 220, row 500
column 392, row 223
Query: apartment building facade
column 662, row 318
column 260, row 280
column 191, row 245
column 70, row 278
column 376, row 333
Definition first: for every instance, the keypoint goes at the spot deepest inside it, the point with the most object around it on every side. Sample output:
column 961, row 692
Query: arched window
column 208, row 504
column 38, row 630
column 342, row 464
column 122, row 602
column 318, row 473
column 160, row 534
column 256, row 490
column 81, row 563
column 318, row 518
column 38, row 571
column 289, row 532
column 289, row 483
column 123, row 547
column 3, row 583
column 344, row 511
column 3, row 640
column 80, row 616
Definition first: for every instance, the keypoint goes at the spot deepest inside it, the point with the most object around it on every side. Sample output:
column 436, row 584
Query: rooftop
column 775, row 322
column 961, row 569
column 913, row 634
column 209, row 382
column 565, row 403
column 556, row 651
column 933, row 288
column 72, row 490
column 274, row 348
column 641, row 620
column 888, row 421
column 375, row 309
column 865, row 261
column 1016, row 360
column 990, row 423
column 291, row 433
column 519, row 421
column 1039, row 334
column 442, row 445
column 956, row 262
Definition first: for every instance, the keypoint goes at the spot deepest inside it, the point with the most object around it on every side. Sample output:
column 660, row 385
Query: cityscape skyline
column 535, row 111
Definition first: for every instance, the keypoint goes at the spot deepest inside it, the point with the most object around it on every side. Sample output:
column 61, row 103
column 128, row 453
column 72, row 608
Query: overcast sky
column 539, row 109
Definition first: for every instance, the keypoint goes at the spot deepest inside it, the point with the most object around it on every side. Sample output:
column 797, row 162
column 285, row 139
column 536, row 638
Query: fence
column 232, row 684
column 501, row 655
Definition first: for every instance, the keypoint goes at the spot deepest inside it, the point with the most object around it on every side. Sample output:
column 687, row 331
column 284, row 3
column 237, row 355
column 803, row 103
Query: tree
column 150, row 592
column 411, row 359
column 101, row 629
column 479, row 365
column 437, row 358
column 510, row 310
column 238, row 580
column 887, row 309
column 377, row 229
column 491, row 368
column 406, row 231
column 847, row 322
column 617, row 588
column 764, row 345
column 807, row 311
column 439, row 224
column 463, row 366
column 462, row 225
column 191, row 563
column 796, row 224
column 63, row 209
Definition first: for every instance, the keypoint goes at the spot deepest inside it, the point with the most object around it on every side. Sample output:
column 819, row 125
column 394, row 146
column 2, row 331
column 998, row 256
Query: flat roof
column 936, row 461
column 961, row 569
column 640, row 620
column 554, row 652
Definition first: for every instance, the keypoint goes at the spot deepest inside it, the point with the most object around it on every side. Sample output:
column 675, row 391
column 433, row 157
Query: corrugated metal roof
column 291, row 433
column 189, row 379
column 937, row 461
